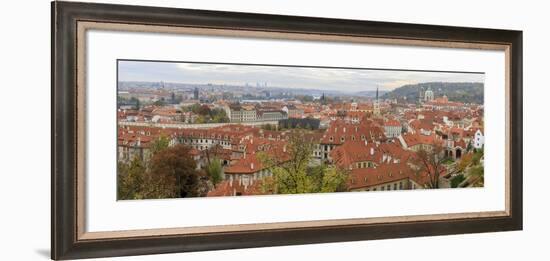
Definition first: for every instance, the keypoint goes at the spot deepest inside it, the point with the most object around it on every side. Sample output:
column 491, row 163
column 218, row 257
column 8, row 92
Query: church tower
column 428, row 95
column 376, row 107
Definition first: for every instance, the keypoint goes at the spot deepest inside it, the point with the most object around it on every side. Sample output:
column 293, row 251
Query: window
column 382, row 188
column 395, row 186
column 389, row 187
column 400, row 185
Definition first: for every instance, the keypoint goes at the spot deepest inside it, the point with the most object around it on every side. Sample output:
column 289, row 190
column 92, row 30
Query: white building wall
column 479, row 140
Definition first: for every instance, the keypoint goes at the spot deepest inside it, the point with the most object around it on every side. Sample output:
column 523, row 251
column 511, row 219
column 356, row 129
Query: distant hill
column 467, row 92
column 370, row 93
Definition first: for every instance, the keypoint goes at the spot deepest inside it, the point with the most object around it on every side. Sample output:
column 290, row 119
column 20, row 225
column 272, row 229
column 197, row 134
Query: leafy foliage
column 295, row 175
column 214, row 171
column 160, row 102
column 476, row 171
column 173, row 173
column 170, row 173
column 130, row 179
column 456, row 180
column 467, row 92
column 207, row 115
column 159, row 144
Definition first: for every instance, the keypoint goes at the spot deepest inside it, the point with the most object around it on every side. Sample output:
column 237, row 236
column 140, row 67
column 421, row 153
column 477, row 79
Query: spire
column 377, row 92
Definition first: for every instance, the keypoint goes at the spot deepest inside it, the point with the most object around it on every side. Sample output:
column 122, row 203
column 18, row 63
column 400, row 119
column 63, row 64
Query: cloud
column 280, row 76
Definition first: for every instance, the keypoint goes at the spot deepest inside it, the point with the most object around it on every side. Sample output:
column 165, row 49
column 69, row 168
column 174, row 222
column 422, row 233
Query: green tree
column 456, row 180
column 135, row 101
column 334, row 179
column 201, row 119
column 159, row 144
column 214, row 171
column 190, row 108
column 159, row 103
column 219, row 116
column 477, row 174
column 295, row 175
column 266, row 127
column 130, row 179
column 476, row 171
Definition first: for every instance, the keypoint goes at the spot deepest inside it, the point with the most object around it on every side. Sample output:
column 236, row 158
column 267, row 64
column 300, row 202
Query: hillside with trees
column 466, row 92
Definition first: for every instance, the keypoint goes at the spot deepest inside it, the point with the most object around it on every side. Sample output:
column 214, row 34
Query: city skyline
column 329, row 79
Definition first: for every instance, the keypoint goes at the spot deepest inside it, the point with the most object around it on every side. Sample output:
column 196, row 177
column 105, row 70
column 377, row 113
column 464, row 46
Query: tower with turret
column 428, row 95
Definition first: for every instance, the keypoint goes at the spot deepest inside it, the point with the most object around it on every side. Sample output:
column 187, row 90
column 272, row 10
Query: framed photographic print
column 180, row 130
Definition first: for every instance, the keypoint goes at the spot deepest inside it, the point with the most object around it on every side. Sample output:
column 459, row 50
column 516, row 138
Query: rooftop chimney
column 252, row 165
column 371, row 151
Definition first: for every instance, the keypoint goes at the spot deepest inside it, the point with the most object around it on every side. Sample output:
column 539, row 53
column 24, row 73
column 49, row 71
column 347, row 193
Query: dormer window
column 342, row 139
column 331, row 138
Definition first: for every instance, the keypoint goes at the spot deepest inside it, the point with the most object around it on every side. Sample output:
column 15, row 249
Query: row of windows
column 245, row 177
column 396, row 186
column 364, row 164
column 203, row 141
column 342, row 139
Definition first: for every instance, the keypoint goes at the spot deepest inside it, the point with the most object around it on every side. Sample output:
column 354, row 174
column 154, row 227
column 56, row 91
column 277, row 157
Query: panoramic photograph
column 197, row 129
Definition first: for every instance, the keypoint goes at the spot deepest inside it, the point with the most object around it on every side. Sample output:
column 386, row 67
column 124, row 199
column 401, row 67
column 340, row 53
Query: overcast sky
column 278, row 76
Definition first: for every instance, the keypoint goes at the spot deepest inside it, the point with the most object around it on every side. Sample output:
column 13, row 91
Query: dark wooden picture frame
column 69, row 242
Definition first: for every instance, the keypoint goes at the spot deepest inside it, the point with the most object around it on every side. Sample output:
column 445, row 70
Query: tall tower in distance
column 196, row 93
column 376, row 106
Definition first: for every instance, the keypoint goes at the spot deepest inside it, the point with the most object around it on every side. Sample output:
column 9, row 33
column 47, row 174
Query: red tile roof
column 340, row 131
column 415, row 139
column 384, row 173
column 393, row 123
column 228, row 188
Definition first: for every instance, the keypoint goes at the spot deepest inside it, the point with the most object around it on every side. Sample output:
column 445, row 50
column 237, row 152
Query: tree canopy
column 430, row 162
column 176, row 171
column 170, row 173
column 296, row 175
column 214, row 171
